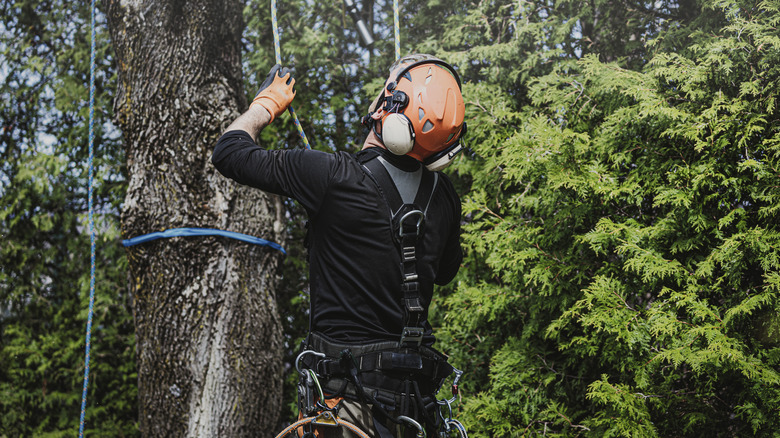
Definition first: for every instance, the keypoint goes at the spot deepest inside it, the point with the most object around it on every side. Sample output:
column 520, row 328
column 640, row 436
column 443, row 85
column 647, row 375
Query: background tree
column 44, row 77
column 208, row 335
column 622, row 278
column 620, row 196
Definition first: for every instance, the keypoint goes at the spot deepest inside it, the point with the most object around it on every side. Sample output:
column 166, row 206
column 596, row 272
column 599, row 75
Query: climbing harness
column 407, row 220
column 91, row 221
column 364, row 373
column 391, row 375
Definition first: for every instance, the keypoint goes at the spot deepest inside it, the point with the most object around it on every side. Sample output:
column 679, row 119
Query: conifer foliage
column 44, row 233
column 624, row 264
column 620, row 192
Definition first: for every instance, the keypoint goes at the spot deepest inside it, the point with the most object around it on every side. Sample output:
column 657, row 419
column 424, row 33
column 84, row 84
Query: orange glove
column 276, row 92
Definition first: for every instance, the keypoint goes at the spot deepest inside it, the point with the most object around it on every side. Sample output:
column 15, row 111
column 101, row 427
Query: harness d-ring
column 420, row 430
column 420, row 216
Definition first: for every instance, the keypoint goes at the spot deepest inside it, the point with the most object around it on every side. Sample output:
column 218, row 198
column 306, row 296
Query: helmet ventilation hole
column 427, row 126
column 421, row 113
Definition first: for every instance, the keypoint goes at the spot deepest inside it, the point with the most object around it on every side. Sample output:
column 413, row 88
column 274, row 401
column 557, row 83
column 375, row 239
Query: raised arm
column 274, row 97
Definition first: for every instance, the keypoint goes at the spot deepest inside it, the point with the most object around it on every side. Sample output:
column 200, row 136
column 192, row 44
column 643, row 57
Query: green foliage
column 44, row 257
column 622, row 274
column 620, row 199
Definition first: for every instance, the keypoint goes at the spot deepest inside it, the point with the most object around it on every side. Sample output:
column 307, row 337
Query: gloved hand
column 276, row 92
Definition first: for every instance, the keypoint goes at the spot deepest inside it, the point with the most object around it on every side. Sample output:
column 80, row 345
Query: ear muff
column 398, row 134
column 397, row 131
column 443, row 159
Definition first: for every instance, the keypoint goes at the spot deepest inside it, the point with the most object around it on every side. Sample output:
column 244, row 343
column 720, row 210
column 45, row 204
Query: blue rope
column 91, row 222
column 183, row 232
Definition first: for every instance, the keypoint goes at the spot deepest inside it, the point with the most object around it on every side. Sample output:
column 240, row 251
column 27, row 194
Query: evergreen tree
column 45, row 250
column 620, row 197
column 623, row 272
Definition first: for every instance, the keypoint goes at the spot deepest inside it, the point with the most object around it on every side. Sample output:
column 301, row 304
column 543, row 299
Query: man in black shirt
column 383, row 229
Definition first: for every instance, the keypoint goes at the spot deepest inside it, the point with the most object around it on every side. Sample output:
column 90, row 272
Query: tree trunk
column 209, row 341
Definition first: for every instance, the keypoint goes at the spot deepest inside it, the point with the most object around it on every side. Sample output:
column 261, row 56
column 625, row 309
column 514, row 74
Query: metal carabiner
column 420, row 430
column 445, row 421
column 298, row 360
column 458, row 426
column 455, row 390
column 307, row 385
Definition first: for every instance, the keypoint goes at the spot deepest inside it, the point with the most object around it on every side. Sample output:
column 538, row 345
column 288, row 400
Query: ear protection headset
column 397, row 130
column 389, row 121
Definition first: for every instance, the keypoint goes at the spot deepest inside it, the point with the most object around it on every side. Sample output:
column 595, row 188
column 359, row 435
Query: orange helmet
column 422, row 111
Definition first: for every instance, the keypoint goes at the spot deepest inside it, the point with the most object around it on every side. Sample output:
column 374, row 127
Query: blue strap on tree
column 185, row 232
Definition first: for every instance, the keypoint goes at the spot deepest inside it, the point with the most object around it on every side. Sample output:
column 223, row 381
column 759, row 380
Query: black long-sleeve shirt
column 354, row 263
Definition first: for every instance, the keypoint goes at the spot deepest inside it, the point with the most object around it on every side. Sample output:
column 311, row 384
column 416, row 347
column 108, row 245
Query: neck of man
column 373, row 141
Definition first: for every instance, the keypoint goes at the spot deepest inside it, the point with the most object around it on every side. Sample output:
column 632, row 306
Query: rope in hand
column 91, row 222
column 278, row 54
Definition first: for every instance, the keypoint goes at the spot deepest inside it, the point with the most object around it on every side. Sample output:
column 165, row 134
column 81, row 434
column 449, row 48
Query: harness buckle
column 409, row 254
column 412, row 335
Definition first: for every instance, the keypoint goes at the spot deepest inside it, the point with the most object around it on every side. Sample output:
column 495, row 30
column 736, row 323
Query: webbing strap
column 407, row 221
column 385, row 182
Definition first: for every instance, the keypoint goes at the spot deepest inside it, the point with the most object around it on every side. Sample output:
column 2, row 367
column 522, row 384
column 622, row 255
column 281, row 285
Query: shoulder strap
column 407, row 221
column 382, row 178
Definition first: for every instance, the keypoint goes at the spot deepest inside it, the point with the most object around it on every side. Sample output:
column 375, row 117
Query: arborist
column 384, row 227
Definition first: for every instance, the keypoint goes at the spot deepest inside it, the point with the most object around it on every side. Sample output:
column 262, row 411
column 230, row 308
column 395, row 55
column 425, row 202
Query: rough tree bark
column 207, row 328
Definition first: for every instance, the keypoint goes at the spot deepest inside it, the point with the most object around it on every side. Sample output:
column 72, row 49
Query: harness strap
column 372, row 395
column 379, row 364
column 386, row 375
column 389, row 361
column 408, row 222
column 388, row 356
